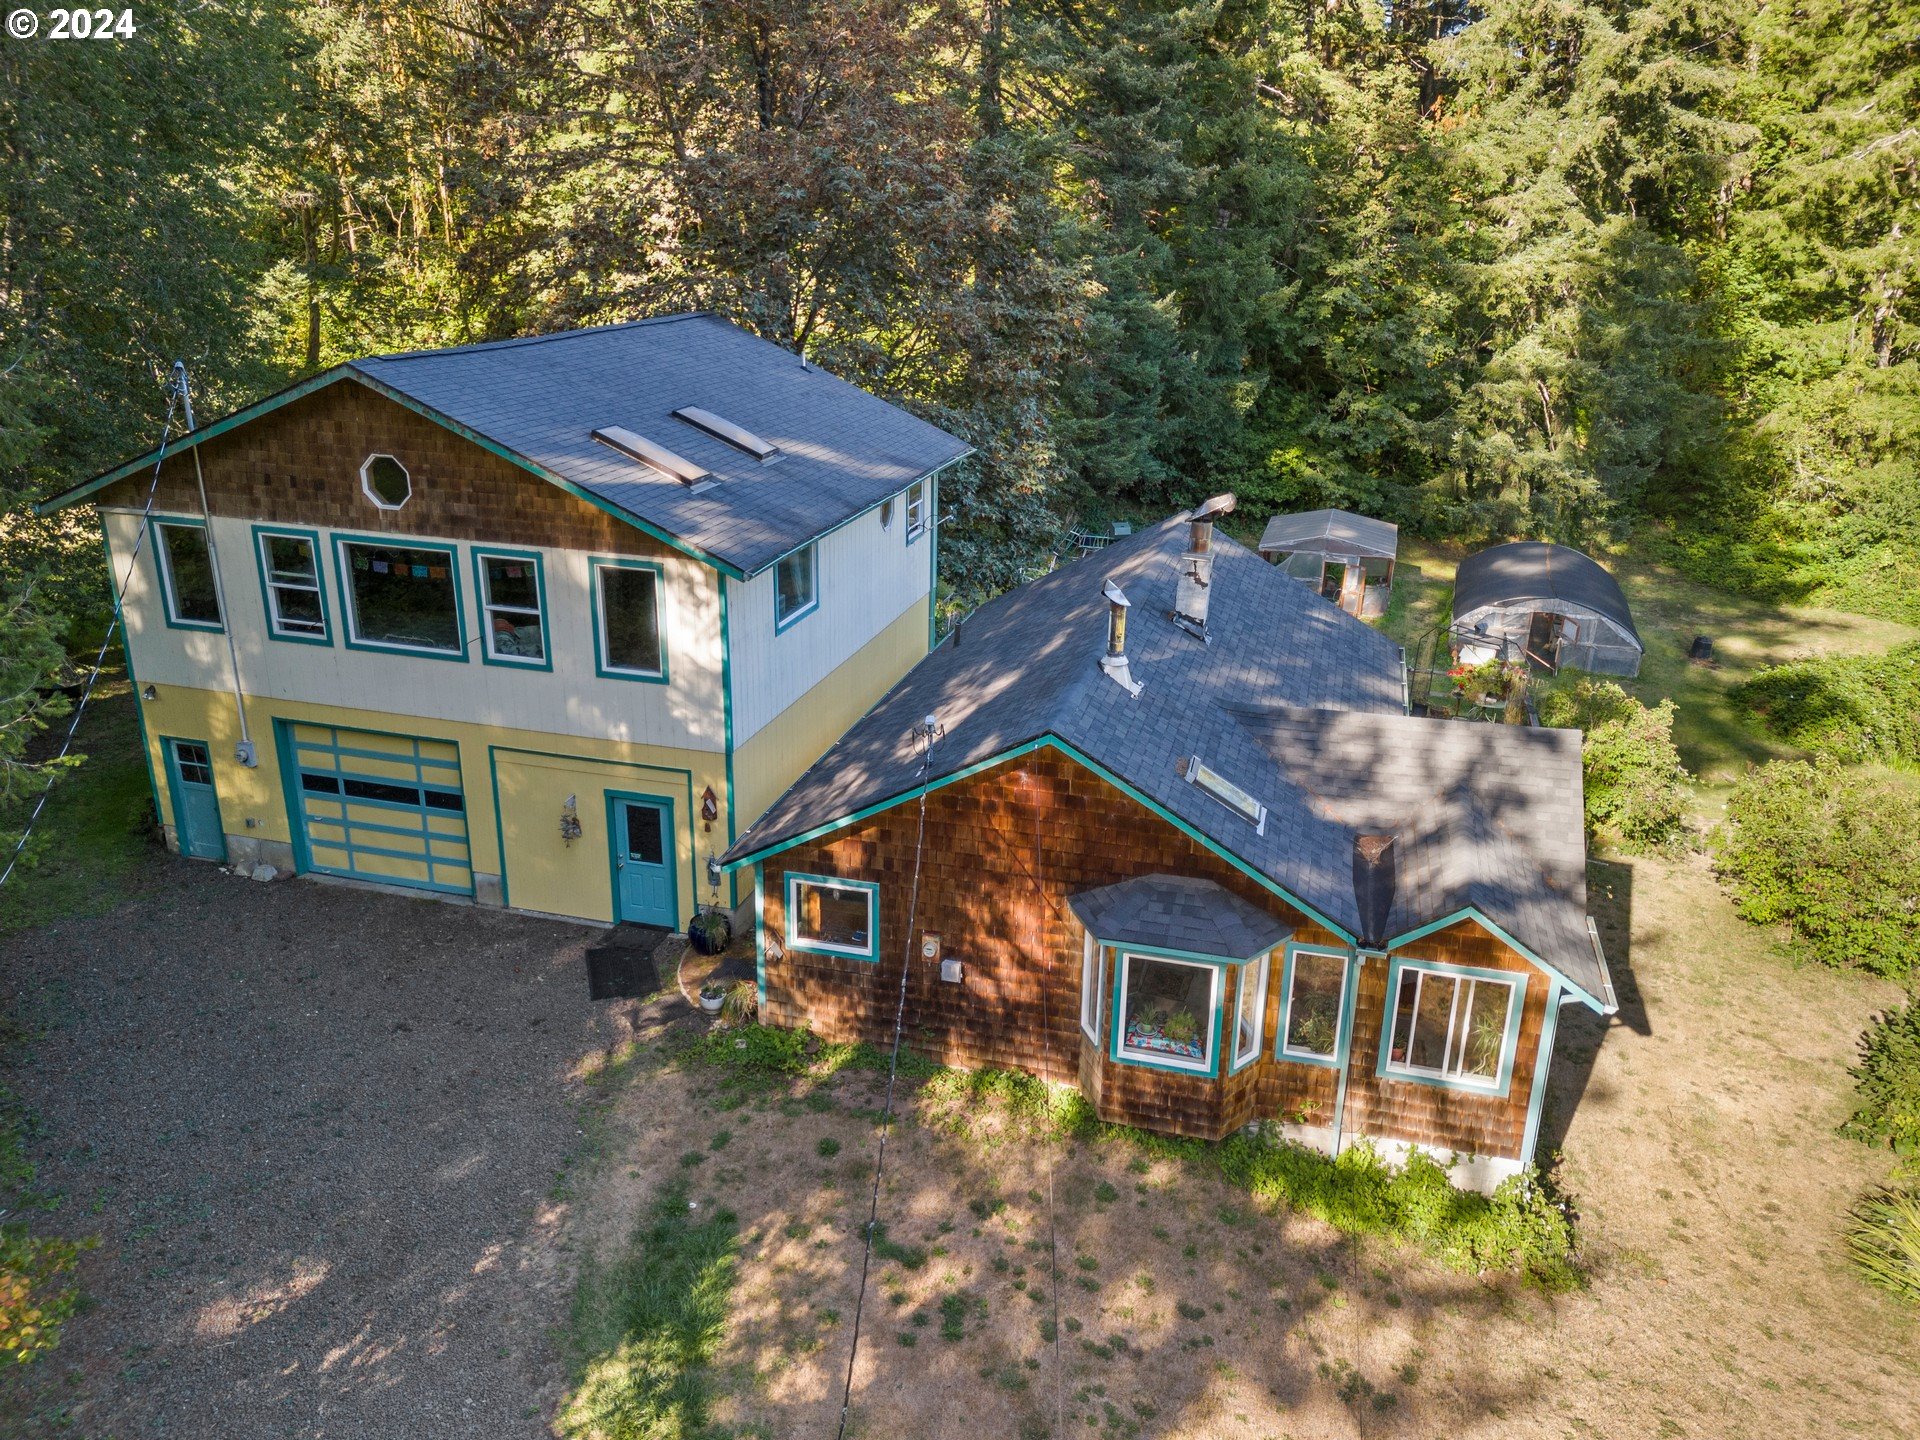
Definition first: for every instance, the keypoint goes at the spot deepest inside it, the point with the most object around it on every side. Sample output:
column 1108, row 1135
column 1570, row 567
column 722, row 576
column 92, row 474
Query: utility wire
column 176, row 385
column 928, row 733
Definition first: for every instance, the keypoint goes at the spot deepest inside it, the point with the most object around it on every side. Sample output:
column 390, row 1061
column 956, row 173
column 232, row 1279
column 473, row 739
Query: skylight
column 722, row 428
column 655, row 457
column 1228, row 794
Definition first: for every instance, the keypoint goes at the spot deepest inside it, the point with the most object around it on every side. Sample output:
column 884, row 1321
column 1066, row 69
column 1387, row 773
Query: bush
column 1883, row 1240
column 1888, row 1081
column 1636, row 786
column 1834, row 852
column 1855, row 707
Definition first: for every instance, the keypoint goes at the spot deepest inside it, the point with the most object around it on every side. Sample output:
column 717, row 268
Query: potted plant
column 713, row 995
column 710, row 931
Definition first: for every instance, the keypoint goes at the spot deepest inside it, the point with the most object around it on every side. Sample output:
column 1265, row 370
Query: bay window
column 1249, row 1011
column 1093, row 984
column 1165, row 1013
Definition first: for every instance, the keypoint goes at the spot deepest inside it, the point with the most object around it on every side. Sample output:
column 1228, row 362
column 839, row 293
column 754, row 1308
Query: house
column 1203, row 866
column 1546, row 604
column 542, row 622
column 1347, row 558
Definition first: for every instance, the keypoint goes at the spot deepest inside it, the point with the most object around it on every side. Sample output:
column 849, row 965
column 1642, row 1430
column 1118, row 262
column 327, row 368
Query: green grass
column 646, row 1326
column 96, row 829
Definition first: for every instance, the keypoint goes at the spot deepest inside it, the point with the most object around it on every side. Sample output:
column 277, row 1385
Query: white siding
column 868, row 576
column 571, row 699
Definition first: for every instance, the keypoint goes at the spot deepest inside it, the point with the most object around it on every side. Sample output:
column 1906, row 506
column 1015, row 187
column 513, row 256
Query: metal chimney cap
column 1216, row 507
column 1115, row 595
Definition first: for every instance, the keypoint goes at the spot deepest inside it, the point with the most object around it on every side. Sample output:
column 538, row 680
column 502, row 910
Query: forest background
column 1607, row 273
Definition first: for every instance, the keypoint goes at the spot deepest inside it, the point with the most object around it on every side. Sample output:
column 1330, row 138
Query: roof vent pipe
column 1195, row 586
column 1114, row 662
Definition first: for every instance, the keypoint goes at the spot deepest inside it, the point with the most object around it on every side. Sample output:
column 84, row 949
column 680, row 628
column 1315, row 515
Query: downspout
column 244, row 751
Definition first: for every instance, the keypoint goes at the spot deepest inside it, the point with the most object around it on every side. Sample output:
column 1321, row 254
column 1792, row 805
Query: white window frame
column 1466, row 981
column 797, row 941
column 1093, row 985
column 366, row 481
column 169, row 592
column 1257, row 973
column 916, row 506
column 1285, row 1025
column 598, row 567
column 276, row 622
column 1208, row 1064
column 484, row 583
column 811, row 550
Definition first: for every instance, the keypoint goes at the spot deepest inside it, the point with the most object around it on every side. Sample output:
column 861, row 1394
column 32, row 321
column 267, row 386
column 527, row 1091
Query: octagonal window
column 386, row 482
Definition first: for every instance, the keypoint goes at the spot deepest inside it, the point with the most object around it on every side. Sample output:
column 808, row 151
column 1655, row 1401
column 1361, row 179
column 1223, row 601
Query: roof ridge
column 515, row 341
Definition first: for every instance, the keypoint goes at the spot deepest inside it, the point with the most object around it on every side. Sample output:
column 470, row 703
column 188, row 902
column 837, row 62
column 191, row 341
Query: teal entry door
column 196, row 808
column 643, row 884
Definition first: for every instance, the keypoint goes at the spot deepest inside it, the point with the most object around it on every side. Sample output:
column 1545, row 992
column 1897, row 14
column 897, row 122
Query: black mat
column 620, row 967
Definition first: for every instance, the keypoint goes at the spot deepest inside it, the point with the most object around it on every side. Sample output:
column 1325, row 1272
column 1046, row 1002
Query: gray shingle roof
column 1330, row 532
column 1294, row 701
column 1179, row 912
column 841, row 450
column 1534, row 570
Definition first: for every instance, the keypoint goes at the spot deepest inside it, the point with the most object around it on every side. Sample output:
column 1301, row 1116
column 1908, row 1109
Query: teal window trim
column 484, row 553
column 598, row 565
column 795, row 941
column 1592, row 1002
column 915, row 529
column 350, row 621
column 760, row 932
column 1501, row 1084
column 1342, row 1027
column 1116, row 1049
column 163, row 570
column 1263, row 962
column 261, row 534
column 782, row 624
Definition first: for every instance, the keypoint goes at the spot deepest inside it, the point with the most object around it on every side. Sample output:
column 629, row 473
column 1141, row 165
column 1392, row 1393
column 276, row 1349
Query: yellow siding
column 535, row 774
column 799, row 735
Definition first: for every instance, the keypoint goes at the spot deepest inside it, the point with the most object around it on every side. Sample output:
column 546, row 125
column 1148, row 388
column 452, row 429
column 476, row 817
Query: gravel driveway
column 318, row 1132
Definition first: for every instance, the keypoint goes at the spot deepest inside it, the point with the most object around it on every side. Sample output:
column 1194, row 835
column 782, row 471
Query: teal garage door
column 379, row 807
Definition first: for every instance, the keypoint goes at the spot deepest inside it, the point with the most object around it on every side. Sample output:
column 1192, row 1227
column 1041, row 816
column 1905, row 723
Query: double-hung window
column 1315, row 992
column 187, row 584
column 1165, row 1012
column 796, row 586
column 290, row 580
column 1249, row 1010
column 916, row 510
column 513, row 610
column 629, row 633
column 833, row 917
column 402, row 597
column 1452, row 1026
column 1093, row 984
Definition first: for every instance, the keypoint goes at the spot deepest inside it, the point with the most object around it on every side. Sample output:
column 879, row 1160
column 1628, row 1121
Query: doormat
column 621, row 967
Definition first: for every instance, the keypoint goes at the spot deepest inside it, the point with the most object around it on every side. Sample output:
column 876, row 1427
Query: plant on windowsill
column 710, row 931
column 1180, row 1026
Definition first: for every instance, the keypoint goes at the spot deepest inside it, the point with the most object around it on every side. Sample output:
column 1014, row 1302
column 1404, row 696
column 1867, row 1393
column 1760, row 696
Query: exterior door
column 643, row 882
column 1543, row 639
column 196, row 808
column 1333, row 578
column 374, row 806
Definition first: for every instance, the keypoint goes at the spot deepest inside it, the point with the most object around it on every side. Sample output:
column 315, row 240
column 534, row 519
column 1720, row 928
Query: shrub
column 1856, row 707
column 1888, row 1081
column 1883, row 1240
column 1834, row 852
column 1636, row 786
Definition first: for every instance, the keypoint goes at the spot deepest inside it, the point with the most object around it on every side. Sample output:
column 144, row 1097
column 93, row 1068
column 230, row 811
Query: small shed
column 1547, row 604
column 1347, row 558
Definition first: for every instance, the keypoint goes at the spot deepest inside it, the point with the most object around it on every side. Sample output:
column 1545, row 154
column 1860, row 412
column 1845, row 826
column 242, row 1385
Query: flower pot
column 711, row 1003
column 710, row 932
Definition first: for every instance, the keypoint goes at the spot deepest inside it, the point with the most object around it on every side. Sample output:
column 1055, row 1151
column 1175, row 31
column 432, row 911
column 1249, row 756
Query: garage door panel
column 382, row 807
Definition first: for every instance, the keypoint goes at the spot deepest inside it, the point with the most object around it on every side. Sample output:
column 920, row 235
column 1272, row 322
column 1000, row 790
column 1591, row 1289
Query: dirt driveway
column 322, row 1135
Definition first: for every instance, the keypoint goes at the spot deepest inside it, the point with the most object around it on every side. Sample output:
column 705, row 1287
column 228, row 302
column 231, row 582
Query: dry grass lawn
column 1698, row 1138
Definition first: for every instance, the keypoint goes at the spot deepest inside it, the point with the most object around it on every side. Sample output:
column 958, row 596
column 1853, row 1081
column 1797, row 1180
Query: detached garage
column 1547, row 604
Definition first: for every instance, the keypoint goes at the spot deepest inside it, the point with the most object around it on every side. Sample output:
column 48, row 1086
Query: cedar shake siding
column 1004, row 850
column 300, row 465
